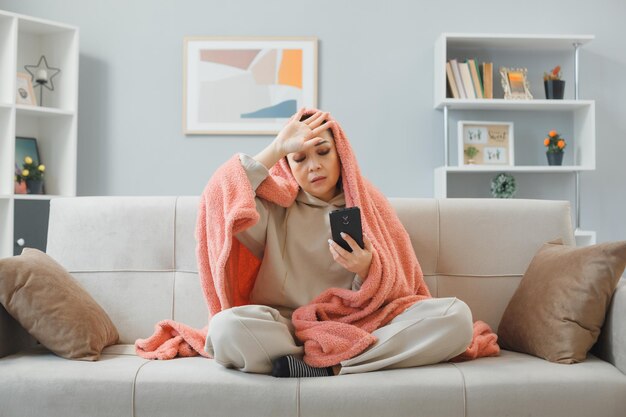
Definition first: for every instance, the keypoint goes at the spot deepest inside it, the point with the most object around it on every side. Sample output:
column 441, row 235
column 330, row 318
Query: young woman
column 299, row 261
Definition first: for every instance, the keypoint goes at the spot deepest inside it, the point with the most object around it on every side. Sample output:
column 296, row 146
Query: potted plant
column 471, row 153
column 33, row 174
column 553, row 85
column 503, row 186
column 555, row 145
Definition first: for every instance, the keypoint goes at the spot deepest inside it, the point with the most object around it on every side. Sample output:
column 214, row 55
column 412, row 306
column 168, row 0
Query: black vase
column 554, row 89
column 34, row 186
column 555, row 158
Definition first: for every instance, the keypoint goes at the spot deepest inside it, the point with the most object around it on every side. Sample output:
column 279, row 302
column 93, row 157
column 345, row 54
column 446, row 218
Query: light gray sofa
column 136, row 256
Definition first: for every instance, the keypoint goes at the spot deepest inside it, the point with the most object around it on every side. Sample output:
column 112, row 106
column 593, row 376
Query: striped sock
column 292, row 367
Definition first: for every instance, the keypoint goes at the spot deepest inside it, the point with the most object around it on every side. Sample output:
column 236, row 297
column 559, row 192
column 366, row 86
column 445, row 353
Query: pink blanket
column 337, row 324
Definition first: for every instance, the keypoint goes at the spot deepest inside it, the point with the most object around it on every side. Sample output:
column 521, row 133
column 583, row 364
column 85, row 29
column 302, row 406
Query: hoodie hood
column 351, row 178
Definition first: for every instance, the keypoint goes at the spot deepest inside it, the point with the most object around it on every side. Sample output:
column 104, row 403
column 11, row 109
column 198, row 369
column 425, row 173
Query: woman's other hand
column 357, row 261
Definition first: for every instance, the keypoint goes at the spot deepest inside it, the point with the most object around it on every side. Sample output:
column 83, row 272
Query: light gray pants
column 249, row 337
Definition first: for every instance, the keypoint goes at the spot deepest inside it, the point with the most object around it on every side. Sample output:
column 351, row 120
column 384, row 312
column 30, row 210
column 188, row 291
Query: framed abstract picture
column 485, row 143
column 246, row 85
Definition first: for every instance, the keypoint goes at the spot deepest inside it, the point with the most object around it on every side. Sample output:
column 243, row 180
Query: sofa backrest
column 136, row 255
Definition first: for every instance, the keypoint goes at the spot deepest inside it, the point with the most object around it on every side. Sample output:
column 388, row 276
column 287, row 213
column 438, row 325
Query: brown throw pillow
column 560, row 305
column 53, row 307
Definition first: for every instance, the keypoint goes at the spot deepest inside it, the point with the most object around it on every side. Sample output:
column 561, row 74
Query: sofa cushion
column 519, row 385
column 435, row 390
column 39, row 383
column 53, row 307
column 198, row 386
column 123, row 384
column 149, row 252
column 558, row 309
column 104, row 233
column 135, row 300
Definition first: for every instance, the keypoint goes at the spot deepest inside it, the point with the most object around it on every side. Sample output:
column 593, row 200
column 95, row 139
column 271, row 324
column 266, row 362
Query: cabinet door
column 31, row 224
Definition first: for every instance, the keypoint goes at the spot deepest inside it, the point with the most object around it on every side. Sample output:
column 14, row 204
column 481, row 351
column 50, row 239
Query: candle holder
column 42, row 75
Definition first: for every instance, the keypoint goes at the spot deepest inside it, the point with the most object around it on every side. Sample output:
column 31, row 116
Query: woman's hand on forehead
column 297, row 136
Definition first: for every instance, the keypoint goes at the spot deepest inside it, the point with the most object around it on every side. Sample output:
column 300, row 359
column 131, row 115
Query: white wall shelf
column 514, row 168
column 42, row 111
column 517, row 105
column 514, row 50
column 525, row 42
column 29, row 197
column 585, row 237
column 23, row 40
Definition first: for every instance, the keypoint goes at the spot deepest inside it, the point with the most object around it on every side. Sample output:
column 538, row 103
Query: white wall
column 375, row 76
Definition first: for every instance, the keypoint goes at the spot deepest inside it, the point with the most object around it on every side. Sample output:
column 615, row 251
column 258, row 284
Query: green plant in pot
column 503, row 186
column 555, row 145
column 471, row 152
column 553, row 84
column 32, row 173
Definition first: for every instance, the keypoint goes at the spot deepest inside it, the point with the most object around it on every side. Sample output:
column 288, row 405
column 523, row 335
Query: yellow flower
column 28, row 160
column 561, row 144
column 546, row 141
column 42, row 168
column 552, row 133
column 25, row 173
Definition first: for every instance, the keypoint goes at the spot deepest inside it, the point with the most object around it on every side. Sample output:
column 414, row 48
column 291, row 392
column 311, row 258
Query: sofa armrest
column 611, row 345
column 13, row 337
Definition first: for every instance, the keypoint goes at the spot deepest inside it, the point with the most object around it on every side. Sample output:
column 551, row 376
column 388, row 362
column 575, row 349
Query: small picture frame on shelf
column 25, row 146
column 485, row 143
column 25, row 94
column 515, row 83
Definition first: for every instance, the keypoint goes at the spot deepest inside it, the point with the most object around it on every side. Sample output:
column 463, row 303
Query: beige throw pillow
column 53, row 307
column 559, row 307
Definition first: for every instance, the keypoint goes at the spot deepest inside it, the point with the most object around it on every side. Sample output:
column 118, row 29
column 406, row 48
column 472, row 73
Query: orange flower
column 552, row 133
column 561, row 144
column 546, row 141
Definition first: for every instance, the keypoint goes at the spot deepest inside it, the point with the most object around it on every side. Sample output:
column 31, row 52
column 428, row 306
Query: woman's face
column 318, row 169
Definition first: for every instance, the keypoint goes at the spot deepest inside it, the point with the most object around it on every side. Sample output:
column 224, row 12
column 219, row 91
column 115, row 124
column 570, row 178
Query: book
column 457, row 78
column 478, row 84
column 452, row 81
column 488, row 79
column 466, row 76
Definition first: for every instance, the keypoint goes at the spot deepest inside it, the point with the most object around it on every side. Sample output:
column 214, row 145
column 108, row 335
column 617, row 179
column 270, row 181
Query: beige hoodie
column 292, row 242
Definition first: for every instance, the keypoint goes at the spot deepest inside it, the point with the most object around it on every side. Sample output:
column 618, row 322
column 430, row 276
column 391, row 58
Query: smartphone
column 347, row 220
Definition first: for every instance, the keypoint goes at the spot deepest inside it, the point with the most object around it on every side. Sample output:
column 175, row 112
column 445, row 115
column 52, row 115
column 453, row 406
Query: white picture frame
column 493, row 140
column 24, row 92
column 246, row 85
column 515, row 83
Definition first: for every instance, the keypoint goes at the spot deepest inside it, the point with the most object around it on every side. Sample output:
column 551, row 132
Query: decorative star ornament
column 42, row 68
